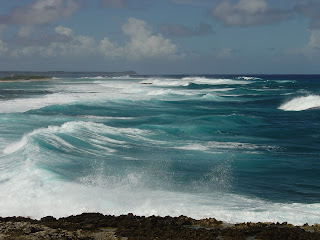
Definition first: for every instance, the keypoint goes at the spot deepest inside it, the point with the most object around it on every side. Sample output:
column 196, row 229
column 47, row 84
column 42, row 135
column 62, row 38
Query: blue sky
column 161, row 36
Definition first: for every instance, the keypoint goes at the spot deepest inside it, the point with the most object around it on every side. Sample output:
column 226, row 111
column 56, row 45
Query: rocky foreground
column 126, row 227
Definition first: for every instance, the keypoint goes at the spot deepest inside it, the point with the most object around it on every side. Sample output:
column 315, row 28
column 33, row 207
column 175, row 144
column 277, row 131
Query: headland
column 23, row 78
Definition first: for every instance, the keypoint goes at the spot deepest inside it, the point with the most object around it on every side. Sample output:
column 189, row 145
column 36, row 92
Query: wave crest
column 78, row 137
column 214, row 81
column 301, row 103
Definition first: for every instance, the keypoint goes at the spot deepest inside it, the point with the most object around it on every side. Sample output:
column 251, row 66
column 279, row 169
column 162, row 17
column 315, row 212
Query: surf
column 302, row 103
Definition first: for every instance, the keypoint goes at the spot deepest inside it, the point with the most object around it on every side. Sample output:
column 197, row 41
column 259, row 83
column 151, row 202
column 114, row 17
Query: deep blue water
column 238, row 148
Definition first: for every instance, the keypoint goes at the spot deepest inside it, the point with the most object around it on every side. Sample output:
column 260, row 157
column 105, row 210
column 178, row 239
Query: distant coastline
column 20, row 76
column 63, row 74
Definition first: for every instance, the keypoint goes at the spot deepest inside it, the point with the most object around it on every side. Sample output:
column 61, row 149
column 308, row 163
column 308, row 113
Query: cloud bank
column 3, row 47
column 40, row 12
column 247, row 13
column 310, row 10
column 141, row 43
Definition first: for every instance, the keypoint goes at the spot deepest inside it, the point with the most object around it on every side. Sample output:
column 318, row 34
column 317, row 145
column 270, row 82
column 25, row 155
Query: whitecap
column 97, row 77
column 97, row 134
column 106, row 117
column 249, row 78
column 214, row 81
column 165, row 82
column 15, row 146
column 38, row 193
column 223, row 146
column 301, row 103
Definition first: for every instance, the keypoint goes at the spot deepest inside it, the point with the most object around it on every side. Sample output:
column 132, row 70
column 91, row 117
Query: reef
column 127, row 227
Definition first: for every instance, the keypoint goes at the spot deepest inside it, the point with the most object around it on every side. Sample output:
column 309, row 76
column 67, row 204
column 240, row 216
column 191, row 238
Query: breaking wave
column 160, row 145
column 78, row 138
column 249, row 78
column 214, row 81
column 301, row 103
column 186, row 81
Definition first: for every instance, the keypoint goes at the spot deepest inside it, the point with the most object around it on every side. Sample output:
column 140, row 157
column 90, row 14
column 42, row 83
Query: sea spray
column 301, row 103
column 201, row 146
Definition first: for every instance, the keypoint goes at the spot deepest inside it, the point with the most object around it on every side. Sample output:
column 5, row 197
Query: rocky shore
column 126, row 227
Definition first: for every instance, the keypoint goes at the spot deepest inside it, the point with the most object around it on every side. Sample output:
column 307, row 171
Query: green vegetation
column 22, row 77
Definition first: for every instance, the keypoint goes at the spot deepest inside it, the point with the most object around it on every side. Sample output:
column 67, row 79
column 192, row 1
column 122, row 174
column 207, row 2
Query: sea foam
column 301, row 103
column 214, row 81
column 38, row 193
column 80, row 137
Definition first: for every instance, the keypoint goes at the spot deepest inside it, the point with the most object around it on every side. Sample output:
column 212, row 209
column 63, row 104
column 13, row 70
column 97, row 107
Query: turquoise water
column 232, row 147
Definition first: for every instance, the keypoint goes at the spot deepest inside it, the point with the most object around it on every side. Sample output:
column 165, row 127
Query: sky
column 161, row 36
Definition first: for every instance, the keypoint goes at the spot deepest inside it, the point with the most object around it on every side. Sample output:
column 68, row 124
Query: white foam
column 212, row 97
column 249, row 78
column 97, row 78
column 33, row 190
column 165, row 82
column 219, row 146
column 301, row 103
column 186, row 81
column 37, row 193
column 171, row 92
column 122, row 77
column 214, row 81
column 285, row 81
column 105, row 117
column 128, row 77
column 73, row 93
column 15, row 146
column 220, row 89
column 26, row 104
column 97, row 134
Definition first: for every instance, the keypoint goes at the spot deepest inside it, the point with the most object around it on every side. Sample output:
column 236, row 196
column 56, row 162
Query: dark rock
column 97, row 225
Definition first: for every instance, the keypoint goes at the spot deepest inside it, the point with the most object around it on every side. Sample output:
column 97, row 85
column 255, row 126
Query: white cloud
column 226, row 53
column 26, row 31
column 3, row 47
column 312, row 49
column 311, row 10
column 314, row 39
column 63, row 31
column 75, row 45
column 252, row 6
column 142, row 43
column 40, row 12
column 110, row 49
column 247, row 13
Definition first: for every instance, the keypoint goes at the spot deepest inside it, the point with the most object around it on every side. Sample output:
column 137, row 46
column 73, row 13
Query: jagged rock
column 105, row 227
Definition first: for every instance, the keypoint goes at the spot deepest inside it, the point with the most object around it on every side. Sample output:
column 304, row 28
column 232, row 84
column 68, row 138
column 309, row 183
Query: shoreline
column 28, row 80
column 99, row 226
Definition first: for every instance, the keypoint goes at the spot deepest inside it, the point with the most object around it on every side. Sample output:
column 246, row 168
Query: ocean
column 238, row 148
